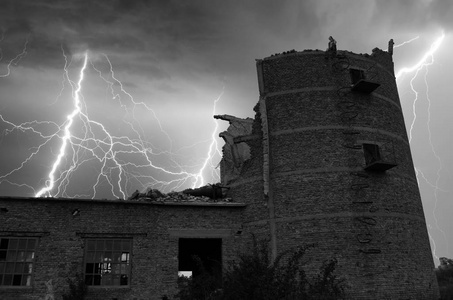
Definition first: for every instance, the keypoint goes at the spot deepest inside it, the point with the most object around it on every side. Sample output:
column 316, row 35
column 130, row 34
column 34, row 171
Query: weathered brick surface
column 60, row 250
column 373, row 223
column 395, row 273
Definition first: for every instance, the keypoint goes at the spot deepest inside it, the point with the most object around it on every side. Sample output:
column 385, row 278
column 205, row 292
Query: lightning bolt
column 423, row 61
column 14, row 61
column 423, row 64
column 433, row 242
column 67, row 129
column 84, row 141
column 213, row 149
column 406, row 42
column 197, row 178
column 117, row 96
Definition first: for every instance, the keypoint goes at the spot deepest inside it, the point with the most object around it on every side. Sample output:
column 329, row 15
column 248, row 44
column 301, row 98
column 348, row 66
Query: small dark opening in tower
column 360, row 83
column 356, row 75
column 374, row 160
column 372, row 153
column 200, row 255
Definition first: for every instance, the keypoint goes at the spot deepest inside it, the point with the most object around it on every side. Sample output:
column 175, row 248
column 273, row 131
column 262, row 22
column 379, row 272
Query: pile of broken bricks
column 154, row 195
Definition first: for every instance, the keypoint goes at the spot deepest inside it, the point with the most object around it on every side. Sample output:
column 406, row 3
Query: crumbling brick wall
column 319, row 191
column 62, row 225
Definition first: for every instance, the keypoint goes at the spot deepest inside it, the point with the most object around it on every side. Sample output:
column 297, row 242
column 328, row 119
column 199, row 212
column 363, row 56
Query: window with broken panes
column 107, row 262
column 16, row 261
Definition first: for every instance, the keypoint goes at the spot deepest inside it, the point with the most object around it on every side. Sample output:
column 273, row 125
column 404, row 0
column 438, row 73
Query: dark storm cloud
column 168, row 88
column 203, row 36
column 49, row 25
column 442, row 12
column 162, row 30
column 142, row 30
column 18, row 28
column 43, row 52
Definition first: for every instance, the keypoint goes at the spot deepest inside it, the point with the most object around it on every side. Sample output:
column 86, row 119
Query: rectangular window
column 372, row 153
column 356, row 75
column 17, row 257
column 107, row 262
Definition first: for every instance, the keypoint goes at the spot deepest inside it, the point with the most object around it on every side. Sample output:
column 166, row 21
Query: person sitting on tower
column 332, row 45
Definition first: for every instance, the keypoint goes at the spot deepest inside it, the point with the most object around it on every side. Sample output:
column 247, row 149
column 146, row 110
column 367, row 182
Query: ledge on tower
column 365, row 86
column 379, row 166
column 379, row 158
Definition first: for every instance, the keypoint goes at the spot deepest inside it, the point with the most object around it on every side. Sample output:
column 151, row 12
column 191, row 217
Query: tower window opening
column 375, row 160
column 359, row 83
column 356, row 75
column 372, row 153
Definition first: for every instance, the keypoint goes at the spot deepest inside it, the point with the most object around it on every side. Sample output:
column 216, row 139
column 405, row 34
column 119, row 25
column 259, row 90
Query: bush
column 77, row 289
column 200, row 287
column 255, row 277
column 444, row 274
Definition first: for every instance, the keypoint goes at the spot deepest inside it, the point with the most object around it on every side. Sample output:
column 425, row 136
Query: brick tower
column 329, row 163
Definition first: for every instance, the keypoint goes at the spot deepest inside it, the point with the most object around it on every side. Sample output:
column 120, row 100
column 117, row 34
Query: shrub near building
column 253, row 276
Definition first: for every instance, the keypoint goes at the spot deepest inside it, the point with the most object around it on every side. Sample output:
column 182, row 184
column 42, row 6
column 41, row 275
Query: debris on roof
column 285, row 52
column 208, row 193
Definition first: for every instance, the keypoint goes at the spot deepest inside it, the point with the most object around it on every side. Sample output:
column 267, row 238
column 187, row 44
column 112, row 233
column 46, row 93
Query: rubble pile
column 285, row 52
column 209, row 193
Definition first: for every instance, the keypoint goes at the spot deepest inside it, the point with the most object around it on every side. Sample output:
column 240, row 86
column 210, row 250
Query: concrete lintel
column 12, row 233
column 110, row 234
column 200, row 233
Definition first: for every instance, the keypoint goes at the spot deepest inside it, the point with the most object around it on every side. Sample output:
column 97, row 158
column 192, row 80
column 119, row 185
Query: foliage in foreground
column 77, row 289
column 255, row 277
column 201, row 287
column 444, row 274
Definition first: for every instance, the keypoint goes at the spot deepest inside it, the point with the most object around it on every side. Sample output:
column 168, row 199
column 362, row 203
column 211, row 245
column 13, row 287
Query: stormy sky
column 158, row 70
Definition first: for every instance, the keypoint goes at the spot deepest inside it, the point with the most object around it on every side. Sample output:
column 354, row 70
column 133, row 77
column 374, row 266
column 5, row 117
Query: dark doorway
column 198, row 255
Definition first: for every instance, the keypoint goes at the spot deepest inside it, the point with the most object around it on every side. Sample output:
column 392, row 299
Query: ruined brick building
column 326, row 160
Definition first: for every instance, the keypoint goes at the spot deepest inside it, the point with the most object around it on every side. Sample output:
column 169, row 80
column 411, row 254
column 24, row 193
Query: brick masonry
column 371, row 222
column 153, row 228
